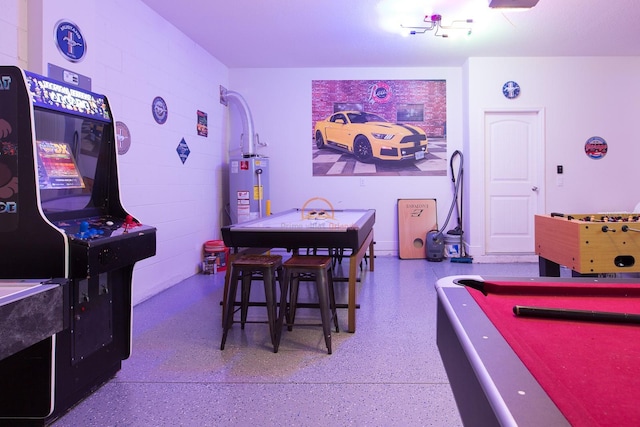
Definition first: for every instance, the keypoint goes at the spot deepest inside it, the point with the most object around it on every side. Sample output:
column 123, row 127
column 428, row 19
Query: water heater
column 248, row 171
column 248, row 188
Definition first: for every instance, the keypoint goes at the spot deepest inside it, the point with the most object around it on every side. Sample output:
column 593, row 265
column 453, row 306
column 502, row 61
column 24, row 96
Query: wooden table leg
column 371, row 256
column 354, row 262
column 232, row 256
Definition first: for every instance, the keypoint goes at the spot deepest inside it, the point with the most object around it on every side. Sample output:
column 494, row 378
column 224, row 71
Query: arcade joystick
column 129, row 222
column 86, row 232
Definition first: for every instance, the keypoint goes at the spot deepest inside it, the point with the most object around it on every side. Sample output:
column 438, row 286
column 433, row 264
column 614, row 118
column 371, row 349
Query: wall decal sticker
column 123, row 138
column 69, row 40
column 596, row 147
column 202, row 126
column 159, row 110
column 183, row 150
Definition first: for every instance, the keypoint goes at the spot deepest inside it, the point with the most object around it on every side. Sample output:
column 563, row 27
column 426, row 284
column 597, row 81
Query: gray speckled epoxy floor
column 388, row 373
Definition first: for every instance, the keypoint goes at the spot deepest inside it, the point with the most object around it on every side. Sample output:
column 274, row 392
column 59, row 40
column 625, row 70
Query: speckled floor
column 388, row 373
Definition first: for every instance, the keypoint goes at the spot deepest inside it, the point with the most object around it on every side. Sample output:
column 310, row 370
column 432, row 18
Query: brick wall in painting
column 422, row 103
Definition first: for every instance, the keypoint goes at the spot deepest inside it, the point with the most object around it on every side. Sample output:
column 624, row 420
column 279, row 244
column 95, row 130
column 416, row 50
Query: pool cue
column 571, row 314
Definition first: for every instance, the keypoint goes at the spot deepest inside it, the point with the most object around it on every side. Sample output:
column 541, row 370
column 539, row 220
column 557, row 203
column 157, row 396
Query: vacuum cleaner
column 435, row 238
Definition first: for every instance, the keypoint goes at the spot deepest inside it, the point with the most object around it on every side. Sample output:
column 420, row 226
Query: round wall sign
column 70, row 41
column 159, row 110
column 123, row 138
column 511, row 89
column 596, row 147
column 379, row 93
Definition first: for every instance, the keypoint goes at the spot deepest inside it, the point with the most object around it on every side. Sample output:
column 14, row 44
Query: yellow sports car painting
column 368, row 137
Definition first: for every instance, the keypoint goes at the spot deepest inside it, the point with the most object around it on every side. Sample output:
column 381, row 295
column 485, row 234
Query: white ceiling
column 350, row 33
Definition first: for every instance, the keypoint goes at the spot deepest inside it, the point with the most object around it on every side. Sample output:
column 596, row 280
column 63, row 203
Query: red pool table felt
column 590, row 370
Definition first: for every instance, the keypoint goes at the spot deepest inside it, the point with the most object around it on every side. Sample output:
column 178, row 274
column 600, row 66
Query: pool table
column 508, row 370
column 296, row 229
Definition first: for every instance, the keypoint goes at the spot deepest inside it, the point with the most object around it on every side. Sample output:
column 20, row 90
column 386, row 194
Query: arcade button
column 85, row 232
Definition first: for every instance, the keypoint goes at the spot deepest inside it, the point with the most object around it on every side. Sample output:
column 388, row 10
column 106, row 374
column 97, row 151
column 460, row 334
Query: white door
column 514, row 150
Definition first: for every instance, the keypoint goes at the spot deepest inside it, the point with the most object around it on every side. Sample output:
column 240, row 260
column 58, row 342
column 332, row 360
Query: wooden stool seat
column 318, row 269
column 245, row 269
column 259, row 261
column 308, row 261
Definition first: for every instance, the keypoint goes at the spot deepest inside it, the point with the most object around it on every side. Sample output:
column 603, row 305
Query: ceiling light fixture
column 434, row 22
column 512, row 4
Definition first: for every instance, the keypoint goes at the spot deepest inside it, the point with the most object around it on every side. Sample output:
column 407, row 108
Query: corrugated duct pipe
column 247, row 120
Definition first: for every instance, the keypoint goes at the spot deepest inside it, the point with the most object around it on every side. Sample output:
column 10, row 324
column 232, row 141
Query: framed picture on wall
column 379, row 127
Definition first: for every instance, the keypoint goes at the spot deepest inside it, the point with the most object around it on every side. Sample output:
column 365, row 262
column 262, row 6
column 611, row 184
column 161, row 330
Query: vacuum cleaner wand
column 463, row 256
column 435, row 238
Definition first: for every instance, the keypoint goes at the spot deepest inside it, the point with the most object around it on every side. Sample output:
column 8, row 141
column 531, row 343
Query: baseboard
column 505, row 258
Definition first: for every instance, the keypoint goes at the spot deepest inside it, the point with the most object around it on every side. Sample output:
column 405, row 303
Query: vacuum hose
column 456, row 188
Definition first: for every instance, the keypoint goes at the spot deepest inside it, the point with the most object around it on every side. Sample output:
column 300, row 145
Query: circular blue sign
column 511, row 89
column 159, row 110
column 70, row 41
column 596, row 147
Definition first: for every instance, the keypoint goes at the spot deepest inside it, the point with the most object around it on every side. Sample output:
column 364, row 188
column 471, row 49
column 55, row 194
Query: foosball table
column 588, row 244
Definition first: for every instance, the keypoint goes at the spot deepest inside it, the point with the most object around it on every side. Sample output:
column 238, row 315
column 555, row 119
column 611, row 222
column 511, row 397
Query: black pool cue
column 571, row 314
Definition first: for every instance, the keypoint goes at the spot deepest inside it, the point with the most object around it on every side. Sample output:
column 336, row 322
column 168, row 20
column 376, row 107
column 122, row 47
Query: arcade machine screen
column 75, row 176
column 67, row 153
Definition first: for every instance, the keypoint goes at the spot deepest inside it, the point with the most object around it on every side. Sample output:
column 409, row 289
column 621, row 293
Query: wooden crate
column 416, row 217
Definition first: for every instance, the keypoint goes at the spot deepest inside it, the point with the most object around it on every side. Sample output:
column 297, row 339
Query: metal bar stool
column 245, row 269
column 315, row 268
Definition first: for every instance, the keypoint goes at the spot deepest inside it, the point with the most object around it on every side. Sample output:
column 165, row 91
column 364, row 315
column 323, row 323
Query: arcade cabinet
column 62, row 223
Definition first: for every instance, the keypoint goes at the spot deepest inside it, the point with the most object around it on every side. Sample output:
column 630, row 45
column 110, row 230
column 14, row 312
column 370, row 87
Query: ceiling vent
column 512, row 3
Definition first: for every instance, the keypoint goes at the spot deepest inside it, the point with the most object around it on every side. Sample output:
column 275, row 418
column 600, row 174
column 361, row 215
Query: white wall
column 133, row 55
column 13, row 33
column 582, row 97
column 280, row 101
